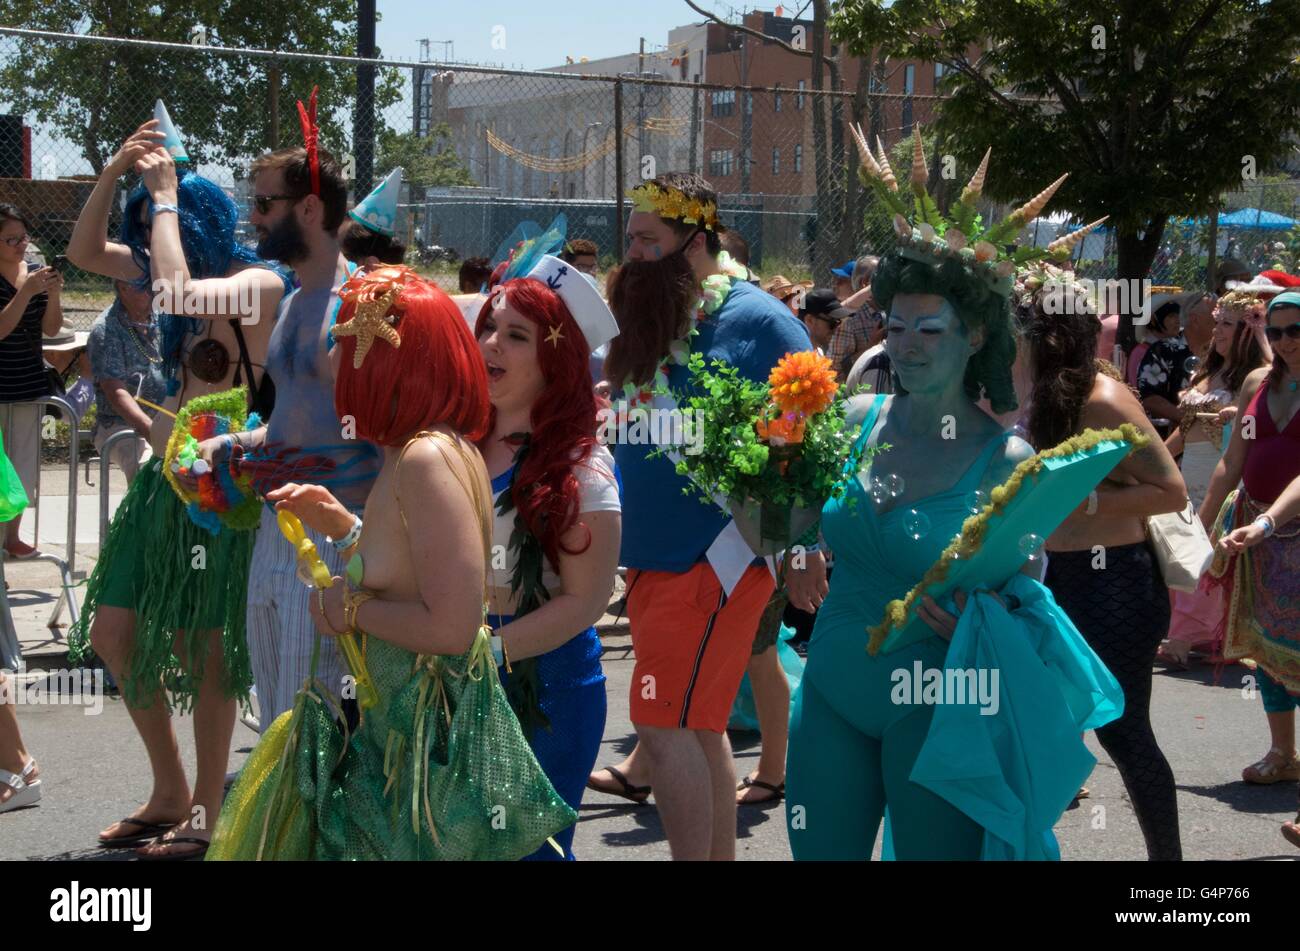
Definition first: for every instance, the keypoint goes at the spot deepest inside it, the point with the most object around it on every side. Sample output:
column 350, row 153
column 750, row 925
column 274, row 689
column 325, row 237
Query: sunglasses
column 1274, row 334
column 263, row 202
column 16, row 242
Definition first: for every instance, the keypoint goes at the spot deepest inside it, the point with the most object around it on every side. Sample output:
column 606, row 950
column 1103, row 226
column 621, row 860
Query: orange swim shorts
column 692, row 643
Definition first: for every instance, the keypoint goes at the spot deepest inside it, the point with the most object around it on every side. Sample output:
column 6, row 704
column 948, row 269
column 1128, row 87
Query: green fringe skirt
column 182, row 582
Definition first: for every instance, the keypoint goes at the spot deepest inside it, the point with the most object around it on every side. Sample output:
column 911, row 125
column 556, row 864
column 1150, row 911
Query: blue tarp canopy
column 1254, row 218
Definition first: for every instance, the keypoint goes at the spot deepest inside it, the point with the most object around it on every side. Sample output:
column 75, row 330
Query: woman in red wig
column 410, row 379
column 558, row 523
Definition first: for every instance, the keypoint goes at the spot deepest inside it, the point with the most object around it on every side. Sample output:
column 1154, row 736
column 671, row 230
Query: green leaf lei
column 523, row 682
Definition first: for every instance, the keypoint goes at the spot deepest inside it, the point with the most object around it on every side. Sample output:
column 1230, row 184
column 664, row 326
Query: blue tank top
column 304, row 420
column 877, row 559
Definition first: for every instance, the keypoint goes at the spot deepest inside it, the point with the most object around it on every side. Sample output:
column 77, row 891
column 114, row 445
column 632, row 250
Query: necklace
column 135, row 339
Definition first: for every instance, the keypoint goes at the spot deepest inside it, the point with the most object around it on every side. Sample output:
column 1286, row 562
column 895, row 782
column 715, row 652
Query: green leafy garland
column 523, row 682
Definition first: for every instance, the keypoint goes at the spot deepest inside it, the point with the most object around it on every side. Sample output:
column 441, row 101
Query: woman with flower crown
column 858, row 743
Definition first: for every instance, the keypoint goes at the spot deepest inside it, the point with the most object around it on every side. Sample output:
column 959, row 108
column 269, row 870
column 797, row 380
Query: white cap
column 580, row 295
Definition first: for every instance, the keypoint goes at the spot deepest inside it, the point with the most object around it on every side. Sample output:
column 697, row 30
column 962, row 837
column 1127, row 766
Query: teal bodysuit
column 851, row 748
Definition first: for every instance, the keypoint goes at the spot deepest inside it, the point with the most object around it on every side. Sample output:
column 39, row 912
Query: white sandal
column 25, row 793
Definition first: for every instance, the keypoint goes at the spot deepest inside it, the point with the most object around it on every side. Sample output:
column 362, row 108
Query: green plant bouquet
column 770, row 454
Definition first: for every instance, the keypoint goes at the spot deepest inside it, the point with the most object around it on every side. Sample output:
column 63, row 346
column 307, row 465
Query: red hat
column 1282, row 278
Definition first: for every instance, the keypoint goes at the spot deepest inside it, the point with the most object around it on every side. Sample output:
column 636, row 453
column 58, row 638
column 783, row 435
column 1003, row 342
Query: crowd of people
column 442, row 453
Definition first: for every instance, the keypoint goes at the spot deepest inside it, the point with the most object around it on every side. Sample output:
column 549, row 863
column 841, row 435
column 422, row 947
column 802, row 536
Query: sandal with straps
column 1275, row 767
column 27, row 791
column 636, row 794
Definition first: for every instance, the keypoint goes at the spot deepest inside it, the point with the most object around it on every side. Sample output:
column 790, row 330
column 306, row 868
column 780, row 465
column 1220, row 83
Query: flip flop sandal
column 147, row 831
column 778, row 792
column 636, row 794
column 177, row 857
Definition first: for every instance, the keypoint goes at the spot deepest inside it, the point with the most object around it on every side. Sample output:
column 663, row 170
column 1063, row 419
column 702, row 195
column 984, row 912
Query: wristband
column 498, row 650
column 161, row 207
column 1092, row 503
column 1265, row 522
column 347, row 541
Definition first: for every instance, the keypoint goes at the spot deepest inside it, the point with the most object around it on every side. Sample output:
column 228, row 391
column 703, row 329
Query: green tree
column 1154, row 107
column 427, row 161
column 229, row 107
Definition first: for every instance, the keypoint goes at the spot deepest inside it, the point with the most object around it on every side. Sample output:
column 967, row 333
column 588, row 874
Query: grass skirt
column 179, row 579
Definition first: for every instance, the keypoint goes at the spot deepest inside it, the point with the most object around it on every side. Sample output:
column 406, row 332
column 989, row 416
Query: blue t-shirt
column 663, row 528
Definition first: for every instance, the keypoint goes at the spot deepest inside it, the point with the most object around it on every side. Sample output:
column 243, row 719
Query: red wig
column 436, row 377
column 563, row 417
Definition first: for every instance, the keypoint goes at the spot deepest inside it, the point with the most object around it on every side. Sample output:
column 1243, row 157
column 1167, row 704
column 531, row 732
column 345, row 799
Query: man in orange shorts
column 693, row 604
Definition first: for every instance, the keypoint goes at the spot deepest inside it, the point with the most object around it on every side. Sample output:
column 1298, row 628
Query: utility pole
column 363, row 120
column 640, row 106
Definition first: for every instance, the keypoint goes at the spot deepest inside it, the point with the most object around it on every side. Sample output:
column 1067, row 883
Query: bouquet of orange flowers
column 770, row 454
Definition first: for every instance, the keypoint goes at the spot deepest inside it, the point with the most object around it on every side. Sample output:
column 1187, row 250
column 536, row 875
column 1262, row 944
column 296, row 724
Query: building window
column 720, row 162
column 776, row 101
column 909, row 79
column 907, row 118
column 798, row 158
column 724, row 102
column 776, row 161
column 798, row 98
column 939, row 70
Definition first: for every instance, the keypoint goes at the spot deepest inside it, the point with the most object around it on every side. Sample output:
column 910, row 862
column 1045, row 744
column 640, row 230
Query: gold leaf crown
column 924, row 234
column 675, row 205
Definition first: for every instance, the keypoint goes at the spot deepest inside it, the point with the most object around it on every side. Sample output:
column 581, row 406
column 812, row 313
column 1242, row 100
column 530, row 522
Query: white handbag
column 1182, row 547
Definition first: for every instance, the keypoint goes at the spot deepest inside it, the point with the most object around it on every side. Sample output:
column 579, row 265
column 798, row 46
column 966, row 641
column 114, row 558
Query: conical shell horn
column 1030, row 209
column 1070, row 241
column 919, row 174
column 976, row 184
column 886, row 172
column 864, row 150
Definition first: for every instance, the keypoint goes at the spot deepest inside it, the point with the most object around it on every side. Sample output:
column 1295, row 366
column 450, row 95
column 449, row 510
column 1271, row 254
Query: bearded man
column 692, row 602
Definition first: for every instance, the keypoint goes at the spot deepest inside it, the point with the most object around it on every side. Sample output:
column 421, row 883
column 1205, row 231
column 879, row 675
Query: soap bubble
column 917, row 524
column 1191, row 365
column 1031, row 546
column 893, row 485
column 975, row 501
column 877, row 490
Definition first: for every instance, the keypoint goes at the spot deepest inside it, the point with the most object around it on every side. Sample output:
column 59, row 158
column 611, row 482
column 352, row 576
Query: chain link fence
column 484, row 150
column 488, row 150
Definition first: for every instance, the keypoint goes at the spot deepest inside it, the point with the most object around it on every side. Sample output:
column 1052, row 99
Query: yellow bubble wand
column 309, row 561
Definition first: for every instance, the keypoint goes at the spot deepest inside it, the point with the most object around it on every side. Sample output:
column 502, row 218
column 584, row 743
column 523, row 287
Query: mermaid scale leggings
column 1122, row 611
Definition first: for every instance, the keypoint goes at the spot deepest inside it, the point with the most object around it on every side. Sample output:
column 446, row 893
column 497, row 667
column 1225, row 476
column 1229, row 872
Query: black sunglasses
column 1274, row 334
column 263, row 202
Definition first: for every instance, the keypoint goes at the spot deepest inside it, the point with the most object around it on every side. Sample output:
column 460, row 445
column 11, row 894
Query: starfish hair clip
column 377, row 298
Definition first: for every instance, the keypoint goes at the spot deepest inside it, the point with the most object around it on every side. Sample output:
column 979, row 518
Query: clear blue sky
column 536, row 34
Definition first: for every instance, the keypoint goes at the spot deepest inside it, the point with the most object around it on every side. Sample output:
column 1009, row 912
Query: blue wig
column 207, row 221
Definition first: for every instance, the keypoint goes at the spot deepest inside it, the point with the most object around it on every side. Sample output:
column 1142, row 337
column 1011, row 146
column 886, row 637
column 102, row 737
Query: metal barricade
column 10, row 650
column 105, row 462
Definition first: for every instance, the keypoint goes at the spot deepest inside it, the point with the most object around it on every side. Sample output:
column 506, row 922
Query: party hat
column 378, row 210
column 172, row 143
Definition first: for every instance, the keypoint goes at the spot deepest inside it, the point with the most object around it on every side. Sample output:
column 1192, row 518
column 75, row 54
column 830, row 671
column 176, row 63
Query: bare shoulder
column 1110, row 404
column 1252, row 384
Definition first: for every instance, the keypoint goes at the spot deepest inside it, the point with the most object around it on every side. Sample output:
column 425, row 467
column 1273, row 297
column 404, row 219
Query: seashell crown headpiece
column 932, row 237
